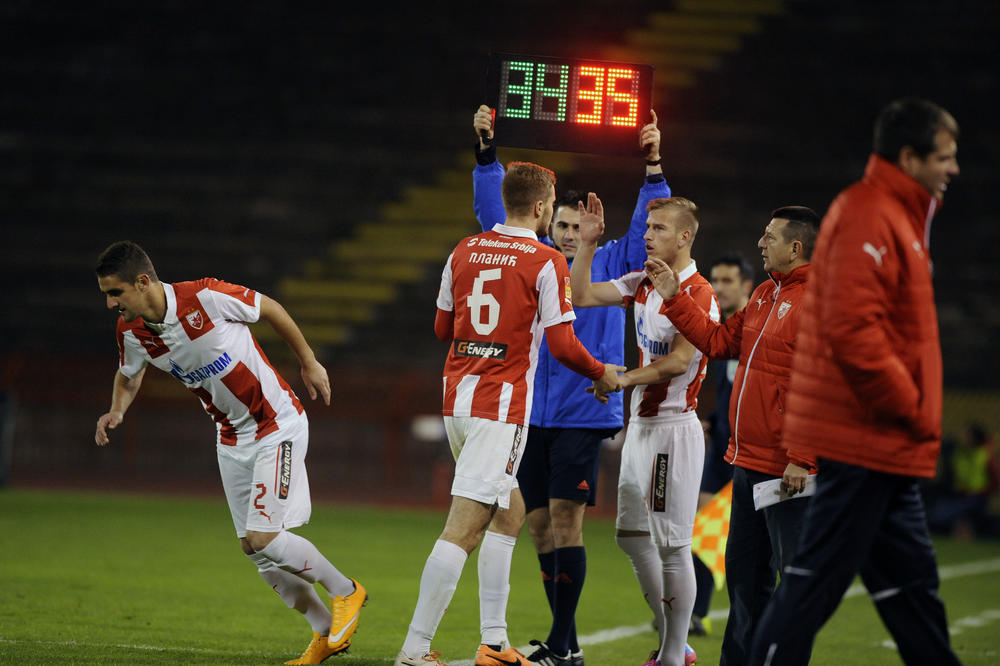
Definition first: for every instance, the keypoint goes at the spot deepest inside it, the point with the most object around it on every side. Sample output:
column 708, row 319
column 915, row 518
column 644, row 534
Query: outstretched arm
column 569, row 351
column 313, row 373
column 716, row 340
column 123, row 392
column 662, row 369
column 588, row 294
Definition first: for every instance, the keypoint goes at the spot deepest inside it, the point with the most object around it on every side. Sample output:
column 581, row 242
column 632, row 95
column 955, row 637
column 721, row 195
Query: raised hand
column 483, row 121
column 649, row 139
column 591, row 219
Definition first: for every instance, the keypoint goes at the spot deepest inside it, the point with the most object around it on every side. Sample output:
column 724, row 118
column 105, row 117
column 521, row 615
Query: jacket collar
column 886, row 176
column 800, row 274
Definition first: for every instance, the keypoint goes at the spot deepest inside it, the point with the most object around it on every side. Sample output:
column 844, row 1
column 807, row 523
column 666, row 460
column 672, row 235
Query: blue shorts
column 560, row 463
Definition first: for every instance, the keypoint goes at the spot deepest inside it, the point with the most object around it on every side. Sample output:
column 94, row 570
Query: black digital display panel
column 577, row 105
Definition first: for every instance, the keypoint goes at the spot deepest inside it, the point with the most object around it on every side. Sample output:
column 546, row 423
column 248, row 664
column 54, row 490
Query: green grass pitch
column 136, row 579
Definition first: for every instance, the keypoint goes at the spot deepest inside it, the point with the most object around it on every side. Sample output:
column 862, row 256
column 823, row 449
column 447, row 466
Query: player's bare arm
column 483, row 120
column 587, row 294
column 663, row 277
column 314, row 375
column 123, row 392
column 663, row 369
column 444, row 325
column 610, row 383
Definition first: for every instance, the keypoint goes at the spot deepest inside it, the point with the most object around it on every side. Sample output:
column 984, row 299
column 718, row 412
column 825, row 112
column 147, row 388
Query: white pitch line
column 617, row 633
column 596, row 638
column 130, row 646
column 984, row 619
column 944, row 573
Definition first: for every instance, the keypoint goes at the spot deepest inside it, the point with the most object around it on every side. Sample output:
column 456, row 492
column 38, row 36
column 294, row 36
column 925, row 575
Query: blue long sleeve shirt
column 560, row 399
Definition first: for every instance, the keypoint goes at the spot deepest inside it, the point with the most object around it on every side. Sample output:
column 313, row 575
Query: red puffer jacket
column 762, row 335
column 866, row 379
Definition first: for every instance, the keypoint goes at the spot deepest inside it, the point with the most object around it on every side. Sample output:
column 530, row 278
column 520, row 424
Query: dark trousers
column 760, row 544
column 867, row 522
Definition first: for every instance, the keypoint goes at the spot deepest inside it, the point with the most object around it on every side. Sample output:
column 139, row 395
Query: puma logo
column 266, row 515
column 669, row 602
column 876, row 254
column 304, row 569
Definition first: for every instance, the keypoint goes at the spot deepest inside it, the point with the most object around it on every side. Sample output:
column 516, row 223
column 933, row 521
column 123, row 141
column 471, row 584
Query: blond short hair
column 524, row 185
column 682, row 212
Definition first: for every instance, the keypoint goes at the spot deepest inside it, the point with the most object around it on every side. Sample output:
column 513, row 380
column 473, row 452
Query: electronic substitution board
column 587, row 106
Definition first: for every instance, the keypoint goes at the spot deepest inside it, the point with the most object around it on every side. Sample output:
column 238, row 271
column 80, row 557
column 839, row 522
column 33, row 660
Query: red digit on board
column 630, row 79
column 595, row 95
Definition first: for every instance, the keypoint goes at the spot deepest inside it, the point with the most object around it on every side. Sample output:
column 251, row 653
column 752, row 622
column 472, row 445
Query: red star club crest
column 194, row 319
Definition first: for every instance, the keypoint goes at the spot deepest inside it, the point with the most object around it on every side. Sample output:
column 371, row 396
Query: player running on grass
column 197, row 331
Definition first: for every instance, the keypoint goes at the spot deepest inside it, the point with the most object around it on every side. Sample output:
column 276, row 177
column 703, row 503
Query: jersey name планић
column 504, row 288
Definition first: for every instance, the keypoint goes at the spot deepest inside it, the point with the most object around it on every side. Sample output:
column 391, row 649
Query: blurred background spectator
column 967, row 483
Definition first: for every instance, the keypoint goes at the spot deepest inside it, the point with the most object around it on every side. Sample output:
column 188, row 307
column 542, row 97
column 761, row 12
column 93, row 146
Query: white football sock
column 298, row 556
column 645, row 559
column 295, row 592
column 495, row 555
column 437, row 586
column 679, row 590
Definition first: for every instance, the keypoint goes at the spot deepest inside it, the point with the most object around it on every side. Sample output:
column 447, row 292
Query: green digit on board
column 557, row 93
column 522, row 110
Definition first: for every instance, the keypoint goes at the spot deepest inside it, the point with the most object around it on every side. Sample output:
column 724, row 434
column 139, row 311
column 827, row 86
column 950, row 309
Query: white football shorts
column 487, row 454
column 660, row 477
column 265, row 481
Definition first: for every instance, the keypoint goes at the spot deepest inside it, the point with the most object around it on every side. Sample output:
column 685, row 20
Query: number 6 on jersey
column 479, row 299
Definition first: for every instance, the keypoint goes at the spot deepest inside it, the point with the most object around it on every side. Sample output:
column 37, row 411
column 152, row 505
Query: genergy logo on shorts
column 494, row 350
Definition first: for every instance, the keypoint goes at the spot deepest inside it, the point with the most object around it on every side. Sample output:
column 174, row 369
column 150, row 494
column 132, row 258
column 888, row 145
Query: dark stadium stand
column 322, row 155
column 238, row 143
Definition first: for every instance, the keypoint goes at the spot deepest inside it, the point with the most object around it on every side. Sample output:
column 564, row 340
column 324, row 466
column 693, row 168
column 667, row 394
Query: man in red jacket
column 762, row 336
column 865, row 399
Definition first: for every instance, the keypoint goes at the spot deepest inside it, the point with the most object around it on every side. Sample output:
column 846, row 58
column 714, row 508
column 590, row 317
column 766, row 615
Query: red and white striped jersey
column 655, row 334
column 504, row 288
column 205, row 343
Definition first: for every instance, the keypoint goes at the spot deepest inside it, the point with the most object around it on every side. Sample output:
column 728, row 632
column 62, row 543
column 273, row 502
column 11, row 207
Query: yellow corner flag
column 711, row 531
